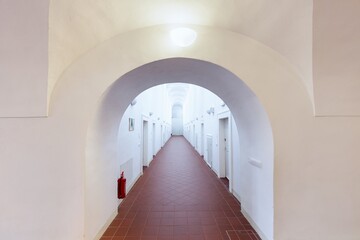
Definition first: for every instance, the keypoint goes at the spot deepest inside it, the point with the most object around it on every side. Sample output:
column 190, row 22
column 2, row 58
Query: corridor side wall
column 125, row 153
column 249, row 165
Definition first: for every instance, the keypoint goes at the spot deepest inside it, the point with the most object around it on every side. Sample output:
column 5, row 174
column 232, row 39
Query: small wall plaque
column 131, row 124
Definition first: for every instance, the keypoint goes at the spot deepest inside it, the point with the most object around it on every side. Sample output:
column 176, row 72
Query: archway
column 255, row 137
column 266, row 73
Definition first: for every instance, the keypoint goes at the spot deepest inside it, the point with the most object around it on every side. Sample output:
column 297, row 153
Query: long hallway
column 179, row 197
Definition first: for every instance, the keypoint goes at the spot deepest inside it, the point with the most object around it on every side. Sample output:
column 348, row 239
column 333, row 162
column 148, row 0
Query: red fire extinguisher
column 121, row 186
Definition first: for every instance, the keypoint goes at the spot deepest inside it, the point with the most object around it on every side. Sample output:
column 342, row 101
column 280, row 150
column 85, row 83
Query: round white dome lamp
column 183, row 37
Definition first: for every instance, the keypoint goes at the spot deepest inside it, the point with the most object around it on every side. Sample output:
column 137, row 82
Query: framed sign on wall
column 131, row 124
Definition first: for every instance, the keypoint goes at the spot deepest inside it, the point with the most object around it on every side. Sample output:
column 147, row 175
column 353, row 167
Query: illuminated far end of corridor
column 183, row 37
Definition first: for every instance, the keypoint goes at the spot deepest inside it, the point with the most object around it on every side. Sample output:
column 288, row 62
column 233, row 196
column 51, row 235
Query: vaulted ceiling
column 78, row 25
column 41, row 39
column 177, row 92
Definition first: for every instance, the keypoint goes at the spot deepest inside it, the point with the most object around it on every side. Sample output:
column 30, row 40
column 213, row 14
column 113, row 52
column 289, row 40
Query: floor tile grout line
column 228, row 205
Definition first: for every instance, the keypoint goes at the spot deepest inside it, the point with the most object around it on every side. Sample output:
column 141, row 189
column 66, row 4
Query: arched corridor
column 288, row 125
column 105, row 151
column 179, row 197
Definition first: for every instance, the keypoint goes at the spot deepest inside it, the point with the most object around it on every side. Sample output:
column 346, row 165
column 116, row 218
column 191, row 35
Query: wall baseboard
column 114, row 214
column 215, row 171
column 254, row 225
column 236, row 195
column 106, row 225
column 133, row 182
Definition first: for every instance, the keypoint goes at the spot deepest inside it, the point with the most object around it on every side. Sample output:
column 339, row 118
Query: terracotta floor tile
column 139, row 221
column 131, row 238
column 194, row 221
column 215, row 236
column 208, row 221
column 222, row 221
column 153, row 222
column 167, row 221
column 179, row 197
column 195, row 230
column 130, row 215
column 180, row 230
column 150, row 231
column 118, row 238
column 244, row 237
column 134, row 231
column 166, row 230
column 105, row 238
column 121, row 231
column 168, row 214
column 180, row 221
column 154, row 215
column 208, row 230
column 165, row 238
column 148, row 238
column 196, row 237
column 248, row 227
column 116, row 223
column 232, row 235
column 110, row 232
column 224, row 228
column 179, row 214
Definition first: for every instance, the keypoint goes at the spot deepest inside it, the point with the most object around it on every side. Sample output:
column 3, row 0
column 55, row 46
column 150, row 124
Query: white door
column 154, row 139
column 145, row 143
column 224, row 140
column 202, row 140
column 161, row 136
column 194, row 137
column 209, row 149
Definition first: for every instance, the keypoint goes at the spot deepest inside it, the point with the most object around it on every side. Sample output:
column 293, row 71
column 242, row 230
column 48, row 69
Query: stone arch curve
column 255, row 135
column 78, row 95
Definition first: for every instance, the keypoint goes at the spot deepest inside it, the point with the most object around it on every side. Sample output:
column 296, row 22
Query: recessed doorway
column 224, row 151
column 145, row 142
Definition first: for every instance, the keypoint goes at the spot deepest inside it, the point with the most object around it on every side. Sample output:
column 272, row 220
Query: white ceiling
column 76, row 26
column 177, row 92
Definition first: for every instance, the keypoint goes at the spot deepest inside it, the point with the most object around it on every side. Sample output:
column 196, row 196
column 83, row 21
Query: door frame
column 221, row 116
column 144, row 118
column 202, row 138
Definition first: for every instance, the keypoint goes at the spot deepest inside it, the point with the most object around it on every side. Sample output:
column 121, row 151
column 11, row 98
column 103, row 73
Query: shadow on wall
column 254, row 136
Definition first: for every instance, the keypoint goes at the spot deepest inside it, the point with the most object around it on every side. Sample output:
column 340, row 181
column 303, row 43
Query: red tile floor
column 179, row 197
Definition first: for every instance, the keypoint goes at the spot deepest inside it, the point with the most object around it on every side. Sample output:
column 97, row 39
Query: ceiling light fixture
column 183, row 37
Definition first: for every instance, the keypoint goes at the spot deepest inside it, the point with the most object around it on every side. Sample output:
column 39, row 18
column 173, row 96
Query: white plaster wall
column 23, row 58
column 252, row 185
column 198, row 102
column 257, row 181
column 237, row 184
column 102, row 172
column 42, row 176
column 314, row 157
column 295, row 112
column 130, row 143
column 154, row 101
column 336, row 54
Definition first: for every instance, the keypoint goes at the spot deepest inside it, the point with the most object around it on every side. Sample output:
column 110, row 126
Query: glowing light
column 183, row 37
